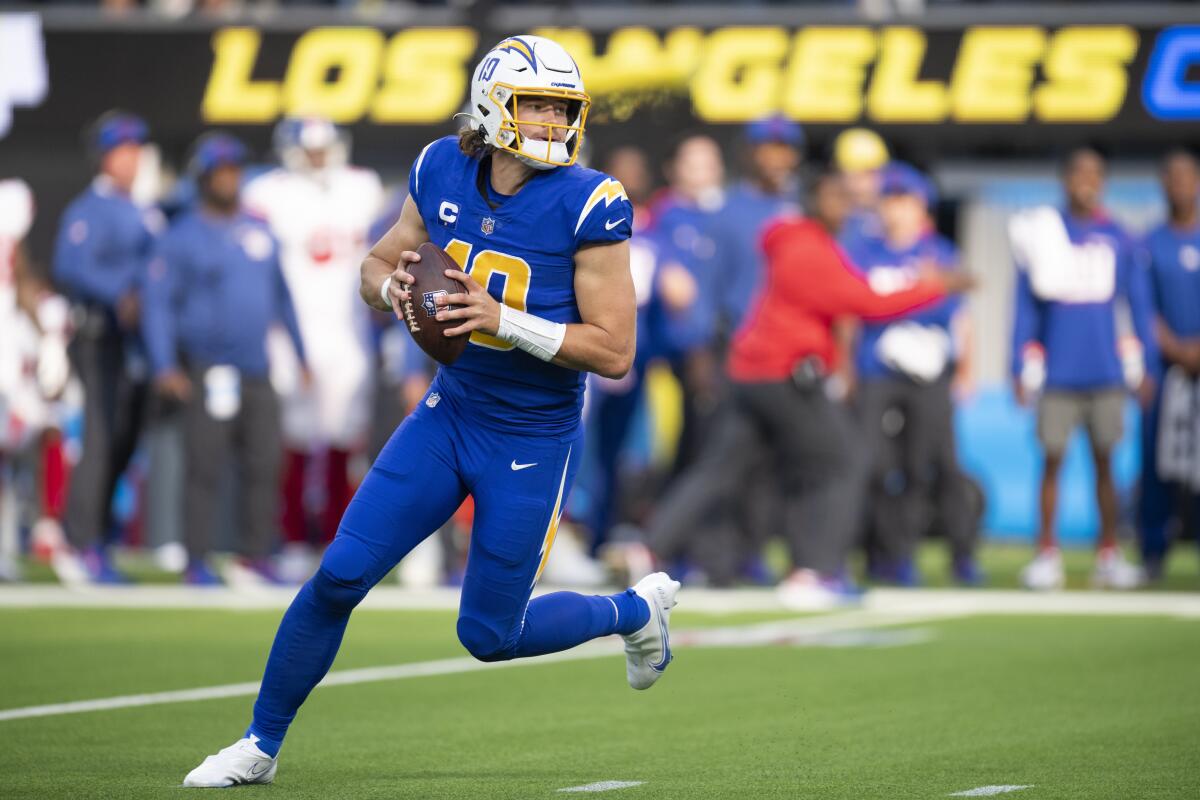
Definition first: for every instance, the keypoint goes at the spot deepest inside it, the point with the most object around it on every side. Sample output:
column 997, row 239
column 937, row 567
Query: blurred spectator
column 905, row 369
column 104, row 242
column 688, row 229
column 612, row 404
column 777, row 365
column 320, row 209
column 773, row 153
column 212, row 292
column 774, row 150
column 631, row 167
column 1171, row 426
column 33, row 374
column 1074, row 264
column 861, row 155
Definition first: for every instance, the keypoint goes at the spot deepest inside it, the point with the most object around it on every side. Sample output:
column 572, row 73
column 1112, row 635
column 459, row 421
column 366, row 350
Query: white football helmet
column 528, row 66
column 297, row 139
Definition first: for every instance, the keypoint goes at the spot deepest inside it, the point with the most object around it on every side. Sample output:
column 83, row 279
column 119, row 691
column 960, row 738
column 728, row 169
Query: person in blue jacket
column 104, row 241
column 213, row 290
column 772, row 189
column 1075, row 264
column 1171, row 428
column 905, row 370
column 686, row 222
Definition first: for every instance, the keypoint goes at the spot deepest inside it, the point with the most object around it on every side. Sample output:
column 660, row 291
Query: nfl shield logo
column 427, row 301
column 487, row 225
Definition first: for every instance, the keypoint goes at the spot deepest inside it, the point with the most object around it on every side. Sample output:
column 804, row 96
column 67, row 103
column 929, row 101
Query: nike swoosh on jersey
column 608, row 226
column 518, row 467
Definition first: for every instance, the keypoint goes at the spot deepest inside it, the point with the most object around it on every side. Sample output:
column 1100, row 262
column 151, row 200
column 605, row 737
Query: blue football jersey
column 523, row 252
column 1173, row 258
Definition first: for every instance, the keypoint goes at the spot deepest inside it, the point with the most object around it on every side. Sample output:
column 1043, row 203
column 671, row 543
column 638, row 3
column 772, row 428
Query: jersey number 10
column 514, row 271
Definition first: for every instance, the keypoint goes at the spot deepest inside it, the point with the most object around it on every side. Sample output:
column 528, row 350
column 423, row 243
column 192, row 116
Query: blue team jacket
column 213, row 289
column 104, row 242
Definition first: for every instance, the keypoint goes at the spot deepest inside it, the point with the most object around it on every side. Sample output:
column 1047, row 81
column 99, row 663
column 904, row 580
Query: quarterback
column 543, row 246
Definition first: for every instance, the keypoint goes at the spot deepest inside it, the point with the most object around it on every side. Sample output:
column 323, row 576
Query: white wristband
column 539, row 337
column 383, row 291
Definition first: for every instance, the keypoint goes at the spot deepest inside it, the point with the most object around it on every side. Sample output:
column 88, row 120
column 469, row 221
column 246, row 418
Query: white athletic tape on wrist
column 383, row 291
column 539, row 337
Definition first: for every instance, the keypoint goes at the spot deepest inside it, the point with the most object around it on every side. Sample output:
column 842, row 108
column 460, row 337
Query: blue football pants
column 434, row 459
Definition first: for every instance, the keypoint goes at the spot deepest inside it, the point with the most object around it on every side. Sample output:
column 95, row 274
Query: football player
column 545, row 262
column 320, row 209
column 34, row 327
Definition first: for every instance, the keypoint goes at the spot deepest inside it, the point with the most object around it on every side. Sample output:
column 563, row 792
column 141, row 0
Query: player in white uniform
column 320, row 208
column 33, row 372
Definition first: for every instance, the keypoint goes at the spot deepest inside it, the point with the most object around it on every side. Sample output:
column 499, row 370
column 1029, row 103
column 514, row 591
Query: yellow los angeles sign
column 1002, row 74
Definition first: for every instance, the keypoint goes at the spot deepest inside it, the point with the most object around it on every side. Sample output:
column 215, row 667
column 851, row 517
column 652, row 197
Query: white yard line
column 881, row 609
column 419, row 669
column 988, row 791
column 798, row 632
column 936, row 602
column 1013, row 602
column 602, row 786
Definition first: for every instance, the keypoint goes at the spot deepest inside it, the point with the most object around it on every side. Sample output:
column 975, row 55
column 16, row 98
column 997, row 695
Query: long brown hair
column 472, row 143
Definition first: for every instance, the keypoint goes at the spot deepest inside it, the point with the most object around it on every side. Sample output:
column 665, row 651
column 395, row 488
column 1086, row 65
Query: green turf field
column 1077, row 707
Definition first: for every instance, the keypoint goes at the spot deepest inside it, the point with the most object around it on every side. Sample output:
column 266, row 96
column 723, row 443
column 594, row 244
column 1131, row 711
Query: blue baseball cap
column 214, row 150
column 902, row 178
column 775, row 128
column 115, row 128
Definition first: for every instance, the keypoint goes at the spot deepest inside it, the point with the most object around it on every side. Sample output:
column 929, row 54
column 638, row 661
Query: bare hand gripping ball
column 420, row 312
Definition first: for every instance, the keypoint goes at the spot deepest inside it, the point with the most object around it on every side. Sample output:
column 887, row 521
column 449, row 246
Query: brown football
column 420, row 313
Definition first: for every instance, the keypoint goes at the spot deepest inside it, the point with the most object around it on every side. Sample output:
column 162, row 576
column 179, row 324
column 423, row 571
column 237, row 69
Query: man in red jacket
column 777, row 367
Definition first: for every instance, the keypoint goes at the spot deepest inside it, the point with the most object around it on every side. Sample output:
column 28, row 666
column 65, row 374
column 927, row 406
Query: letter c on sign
column 1166, row 90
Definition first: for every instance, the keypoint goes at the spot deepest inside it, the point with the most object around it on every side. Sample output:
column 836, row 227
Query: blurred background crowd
column 187, row 372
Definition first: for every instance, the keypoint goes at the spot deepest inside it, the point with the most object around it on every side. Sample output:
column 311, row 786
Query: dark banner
column 986, row 86
column 983, row 91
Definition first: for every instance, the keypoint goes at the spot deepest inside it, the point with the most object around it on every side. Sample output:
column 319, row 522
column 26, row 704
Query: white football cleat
column 70, row 568
column 241, row 762
column 806, row 591
column 1114, row 572
column 1045, row 572
column 648, row 651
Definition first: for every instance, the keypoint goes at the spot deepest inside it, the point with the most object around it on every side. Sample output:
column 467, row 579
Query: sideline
column 708, row 601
